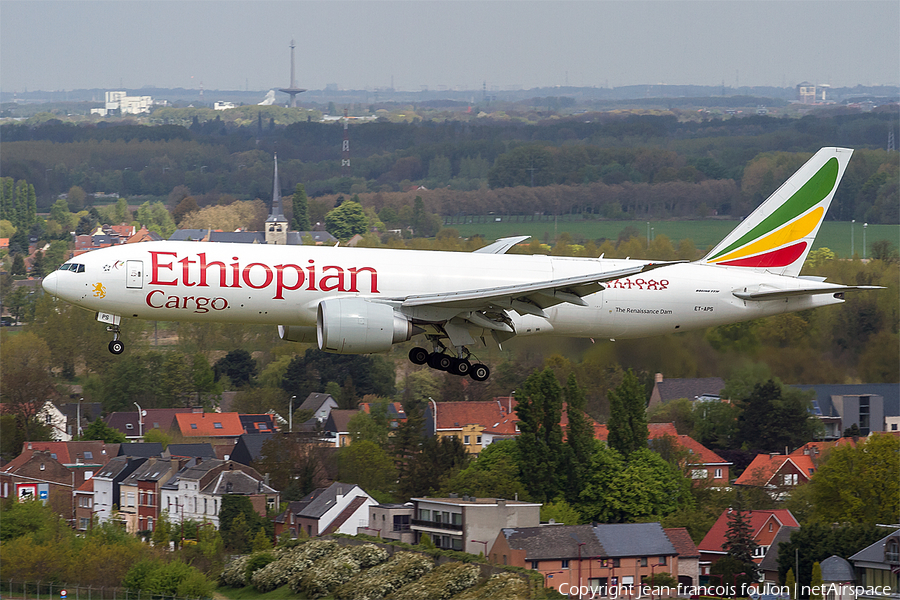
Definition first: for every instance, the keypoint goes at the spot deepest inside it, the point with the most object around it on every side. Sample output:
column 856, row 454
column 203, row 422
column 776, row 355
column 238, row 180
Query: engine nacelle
column 356, row 326
column 298, row 333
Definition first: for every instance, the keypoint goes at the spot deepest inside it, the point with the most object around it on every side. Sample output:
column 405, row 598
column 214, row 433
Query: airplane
column 365, row 300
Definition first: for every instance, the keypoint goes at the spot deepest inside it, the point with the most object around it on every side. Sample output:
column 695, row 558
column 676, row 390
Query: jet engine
column 297, row 333
column 356, row 326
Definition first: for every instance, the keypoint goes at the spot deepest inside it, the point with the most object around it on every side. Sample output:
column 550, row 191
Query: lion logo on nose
column 99, row 291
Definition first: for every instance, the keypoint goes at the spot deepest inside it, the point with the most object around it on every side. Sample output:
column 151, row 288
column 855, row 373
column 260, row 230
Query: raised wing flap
column 748, row 294
column 541, row 294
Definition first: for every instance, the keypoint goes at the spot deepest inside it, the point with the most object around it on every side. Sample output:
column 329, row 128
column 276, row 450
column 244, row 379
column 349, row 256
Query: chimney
column 658, row 378
column 501, row 502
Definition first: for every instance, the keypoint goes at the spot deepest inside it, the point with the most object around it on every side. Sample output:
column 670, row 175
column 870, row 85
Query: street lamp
column 852, row 244
column 481, row 542
column 291, row 415
column 140, row 420
column 549, row 576
column 864, row 240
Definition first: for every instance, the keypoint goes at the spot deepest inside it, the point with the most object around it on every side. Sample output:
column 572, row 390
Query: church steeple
column 276, row 224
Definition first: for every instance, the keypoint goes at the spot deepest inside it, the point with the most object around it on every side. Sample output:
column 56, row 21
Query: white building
column 125, row 104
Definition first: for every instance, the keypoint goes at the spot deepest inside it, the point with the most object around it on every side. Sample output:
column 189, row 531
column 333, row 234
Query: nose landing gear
column 116, row 346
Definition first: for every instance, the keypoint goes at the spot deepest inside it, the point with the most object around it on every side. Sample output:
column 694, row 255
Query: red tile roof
column 681, row 539
column 455, row 415
column 656, row 430
column 209, row 424
column 700, row 454
column 715, row 537
column 765, row 466
column 818, row 448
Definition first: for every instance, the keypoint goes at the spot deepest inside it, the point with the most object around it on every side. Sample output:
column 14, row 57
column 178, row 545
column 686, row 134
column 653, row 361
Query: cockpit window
column 76, row 267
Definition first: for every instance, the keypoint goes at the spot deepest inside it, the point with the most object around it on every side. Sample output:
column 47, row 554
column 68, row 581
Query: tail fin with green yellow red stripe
column 779, row 234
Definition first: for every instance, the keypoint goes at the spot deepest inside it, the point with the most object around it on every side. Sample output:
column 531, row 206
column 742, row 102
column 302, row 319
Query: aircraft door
column 134, row 274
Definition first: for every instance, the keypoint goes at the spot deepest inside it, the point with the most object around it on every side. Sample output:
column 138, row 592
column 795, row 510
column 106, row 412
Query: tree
column 98, row 430
column 858, row 484
column 580, row 440
column 346, row 220
column 367, row 465
column 300, row 220
column 739, row 540
column 435, row 462
column 238, row 366
column 539, row 442
column 495, row 473
column 628, row 416
column 816, row 582
column 791, row 583
column 774, row 417
column 818, row 541
column 25, row 372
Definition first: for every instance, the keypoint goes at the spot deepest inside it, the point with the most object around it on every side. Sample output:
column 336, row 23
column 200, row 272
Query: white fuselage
column 283, row 285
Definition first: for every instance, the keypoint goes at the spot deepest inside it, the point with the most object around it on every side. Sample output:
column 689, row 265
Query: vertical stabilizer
column 779, row 234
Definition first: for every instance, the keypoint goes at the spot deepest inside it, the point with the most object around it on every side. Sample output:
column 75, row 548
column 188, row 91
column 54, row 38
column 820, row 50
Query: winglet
column 502, row 245
column 779, row 234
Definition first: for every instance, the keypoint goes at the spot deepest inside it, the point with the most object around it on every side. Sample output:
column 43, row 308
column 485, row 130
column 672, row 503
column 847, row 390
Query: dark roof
column 249, row 447
column 251, row 423
column 146, row 449
column 338, row 420
column 327, row 498
column 634, row 539
column 554, row 541
column 875, row 552
column 673, row 389
column 315, row 400
column 835, row 568
column 237, row 482
column 90, row 411
column 120, row 467
column 889, row 391
column 770, row 560
column 201, row 450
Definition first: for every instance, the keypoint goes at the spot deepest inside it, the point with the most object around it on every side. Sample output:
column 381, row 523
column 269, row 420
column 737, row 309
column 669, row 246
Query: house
column 469, row 524
column 51, row 416
column 597, row 555
column 39, row 475
column 338, row 508
column 705, row 464
column 195, row 492
column 877, row 566
column 263, row 423
column 870, row 406
column 79, row 413
column 768, row 566
column 704, row 389
column 81, row 458
column 688, row 572
column 135, row 425
column 778, row 473
column 140, row 493
column 249, row 447
column 394, row 413
column 765, row 525
column 142, row 449
column 654, row 431
column 84, row 505
column 467, row 421
column 391, row 522
column 216, row 425
column 816, row 450
column 337, row 425
column 320, row 405
column 838, row 575
column 107, row 483
column 201, row 450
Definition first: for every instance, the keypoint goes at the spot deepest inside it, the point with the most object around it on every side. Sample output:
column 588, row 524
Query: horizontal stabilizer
column 779, row 294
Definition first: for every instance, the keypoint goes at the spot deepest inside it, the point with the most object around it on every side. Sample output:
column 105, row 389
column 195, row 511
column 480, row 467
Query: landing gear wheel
column 418, row 356
column 460, row 366
column 479, row 372
column 116, row 347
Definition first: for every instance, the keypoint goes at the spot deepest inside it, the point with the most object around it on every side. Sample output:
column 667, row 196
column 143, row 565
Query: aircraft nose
column 50, row 282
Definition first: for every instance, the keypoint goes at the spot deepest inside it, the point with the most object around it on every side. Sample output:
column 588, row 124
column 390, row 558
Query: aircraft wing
column 780, row 294
column 526, row 298
column 502, row 245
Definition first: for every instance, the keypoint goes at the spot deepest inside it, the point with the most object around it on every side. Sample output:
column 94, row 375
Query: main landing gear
column 444, row 362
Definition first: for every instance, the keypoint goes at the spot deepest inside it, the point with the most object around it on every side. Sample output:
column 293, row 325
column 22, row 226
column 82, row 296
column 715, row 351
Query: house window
column 217, row 425
column 466, row 439
column 88, row 455
column 564, row 563
column 718, row 473
column 478, row 439
column 662, row 560
column 130, row 497
column 616, row 563
column 760, row 551
column 424, row 514
column 643, row 561
column 83, row 523
column 771, row 526
column 88, row 475
column 892, row 554
column 699, row 474
column 535, row 564
column 193, row 426
column 790, row 479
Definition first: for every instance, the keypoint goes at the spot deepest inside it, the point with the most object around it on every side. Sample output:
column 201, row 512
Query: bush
column 235, row 573
column 378, row 582
column 291, row 563
column 442, row 583
column 257, row 561
column 327, row 573
column 502, row 586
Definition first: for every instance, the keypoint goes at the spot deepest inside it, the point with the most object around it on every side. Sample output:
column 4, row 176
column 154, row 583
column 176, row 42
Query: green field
column 704, row 233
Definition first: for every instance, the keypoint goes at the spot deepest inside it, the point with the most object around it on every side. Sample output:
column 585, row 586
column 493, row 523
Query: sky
column 461, row 44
